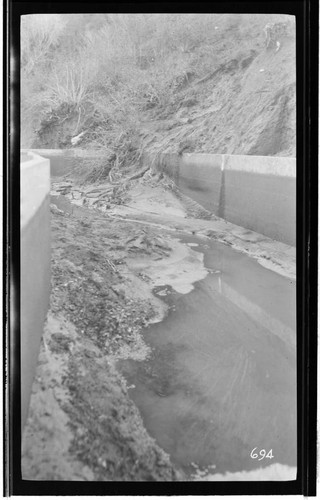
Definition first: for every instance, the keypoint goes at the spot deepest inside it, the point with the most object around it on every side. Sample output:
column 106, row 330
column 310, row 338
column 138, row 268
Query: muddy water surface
column 221, row 379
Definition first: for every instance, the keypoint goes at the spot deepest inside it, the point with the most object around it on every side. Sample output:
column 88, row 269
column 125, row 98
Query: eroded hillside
column 198, row 84
column 245, row 106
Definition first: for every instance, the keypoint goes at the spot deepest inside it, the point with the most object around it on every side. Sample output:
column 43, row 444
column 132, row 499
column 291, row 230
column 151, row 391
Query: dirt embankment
column 245, row 106
column 82, row 424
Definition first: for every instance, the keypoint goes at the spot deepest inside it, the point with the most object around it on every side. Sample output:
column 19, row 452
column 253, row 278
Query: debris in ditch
column 55, row 210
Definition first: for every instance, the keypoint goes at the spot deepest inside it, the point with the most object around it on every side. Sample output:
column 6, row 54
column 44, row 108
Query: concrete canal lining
column 64, row 161
column 255, row 192
column 35, row 265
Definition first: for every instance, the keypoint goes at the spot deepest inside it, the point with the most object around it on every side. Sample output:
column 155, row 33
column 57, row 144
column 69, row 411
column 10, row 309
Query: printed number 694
column 263, row 454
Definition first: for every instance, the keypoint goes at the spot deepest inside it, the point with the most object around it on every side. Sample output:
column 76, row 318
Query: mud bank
column 180, row 270
column 82, row 425
column 155, row 201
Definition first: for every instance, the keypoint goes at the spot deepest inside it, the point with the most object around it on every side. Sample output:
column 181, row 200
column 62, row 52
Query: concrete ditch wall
column 255, row 192
column 35, row 265
column 64, row 161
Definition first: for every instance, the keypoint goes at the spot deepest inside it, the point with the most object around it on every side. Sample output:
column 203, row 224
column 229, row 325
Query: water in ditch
column 221, row 378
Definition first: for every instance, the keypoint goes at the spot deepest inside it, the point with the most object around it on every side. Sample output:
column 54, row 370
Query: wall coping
column 282, row 166
column 35, row 186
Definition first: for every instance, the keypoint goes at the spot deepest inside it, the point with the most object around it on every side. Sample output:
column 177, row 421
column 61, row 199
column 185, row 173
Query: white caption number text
column 262, row 453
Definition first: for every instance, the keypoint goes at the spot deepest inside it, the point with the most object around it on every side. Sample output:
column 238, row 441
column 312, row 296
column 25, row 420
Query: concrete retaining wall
column 63, row 161
column 255, row 192
column 35, row 266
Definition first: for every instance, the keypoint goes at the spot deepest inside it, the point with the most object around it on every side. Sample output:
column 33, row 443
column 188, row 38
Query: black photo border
column 307, row 15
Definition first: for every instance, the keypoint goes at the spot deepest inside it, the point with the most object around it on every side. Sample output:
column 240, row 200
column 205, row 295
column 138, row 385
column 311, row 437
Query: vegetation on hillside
column 121, row 83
